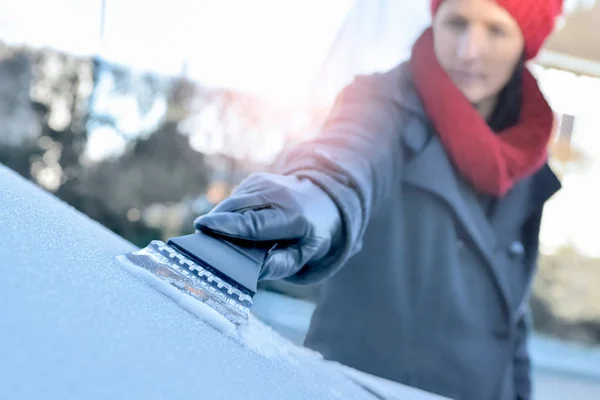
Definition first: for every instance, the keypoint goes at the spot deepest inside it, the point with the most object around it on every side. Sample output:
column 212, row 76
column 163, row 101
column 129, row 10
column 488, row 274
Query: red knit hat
column 535, row 17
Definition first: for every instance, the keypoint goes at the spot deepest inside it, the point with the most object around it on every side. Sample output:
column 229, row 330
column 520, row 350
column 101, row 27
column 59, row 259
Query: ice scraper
column 219, row 273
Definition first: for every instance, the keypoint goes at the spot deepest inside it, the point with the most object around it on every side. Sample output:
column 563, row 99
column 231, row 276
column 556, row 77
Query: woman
column 419, row 206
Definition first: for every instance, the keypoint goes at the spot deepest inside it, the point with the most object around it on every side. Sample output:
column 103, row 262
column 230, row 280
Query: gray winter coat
column 429, row 290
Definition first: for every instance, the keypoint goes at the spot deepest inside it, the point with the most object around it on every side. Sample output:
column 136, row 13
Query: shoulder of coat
column 416, row 127
column 396, row 85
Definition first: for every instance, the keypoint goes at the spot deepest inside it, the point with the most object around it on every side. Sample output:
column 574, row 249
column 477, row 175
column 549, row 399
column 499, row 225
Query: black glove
column 296, row 215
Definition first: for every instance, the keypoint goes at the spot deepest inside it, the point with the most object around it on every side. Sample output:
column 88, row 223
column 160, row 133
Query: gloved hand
column 295, row 214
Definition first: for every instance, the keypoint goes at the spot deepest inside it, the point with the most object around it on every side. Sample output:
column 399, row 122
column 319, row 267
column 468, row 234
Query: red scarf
column 492, row 162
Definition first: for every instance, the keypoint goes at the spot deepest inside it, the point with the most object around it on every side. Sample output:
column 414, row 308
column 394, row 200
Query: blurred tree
column 45, row 134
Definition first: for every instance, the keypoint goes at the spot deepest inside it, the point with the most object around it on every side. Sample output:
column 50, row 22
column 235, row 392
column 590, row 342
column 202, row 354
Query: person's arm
column 354, row 159
column 325, row 191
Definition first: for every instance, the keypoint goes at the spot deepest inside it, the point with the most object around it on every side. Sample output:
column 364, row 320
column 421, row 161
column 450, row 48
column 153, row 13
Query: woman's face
column 478, row 43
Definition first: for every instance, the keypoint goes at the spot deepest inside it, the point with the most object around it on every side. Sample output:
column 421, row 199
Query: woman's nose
column 470, row 46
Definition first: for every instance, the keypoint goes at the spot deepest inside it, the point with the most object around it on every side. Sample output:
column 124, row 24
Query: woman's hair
column 508, row 109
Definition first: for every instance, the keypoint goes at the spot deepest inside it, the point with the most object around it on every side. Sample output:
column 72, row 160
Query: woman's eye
column 457, row 23
column 497, row 30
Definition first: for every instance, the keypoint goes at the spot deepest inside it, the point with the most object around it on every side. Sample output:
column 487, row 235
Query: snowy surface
column 567, row 358
column 74, row 324
column 289, row 316
column 551, row 385
column 199, row 309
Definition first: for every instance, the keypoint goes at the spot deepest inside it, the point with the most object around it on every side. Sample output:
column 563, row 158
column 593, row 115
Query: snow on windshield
column 76, row 325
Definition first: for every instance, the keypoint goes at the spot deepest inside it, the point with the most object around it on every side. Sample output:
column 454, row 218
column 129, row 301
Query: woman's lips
column 465, row 77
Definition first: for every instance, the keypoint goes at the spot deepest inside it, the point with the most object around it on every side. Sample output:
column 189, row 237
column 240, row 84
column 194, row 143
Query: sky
column 272, row 47
column 18, row 24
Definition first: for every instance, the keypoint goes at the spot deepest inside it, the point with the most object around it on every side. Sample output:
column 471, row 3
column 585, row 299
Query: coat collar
column 419, row 131
column 429, row 169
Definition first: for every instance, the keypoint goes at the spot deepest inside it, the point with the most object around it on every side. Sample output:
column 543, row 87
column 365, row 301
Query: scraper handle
column 238, row 262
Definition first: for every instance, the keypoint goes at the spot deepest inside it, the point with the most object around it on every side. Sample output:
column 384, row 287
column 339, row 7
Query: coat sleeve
column 353, row 159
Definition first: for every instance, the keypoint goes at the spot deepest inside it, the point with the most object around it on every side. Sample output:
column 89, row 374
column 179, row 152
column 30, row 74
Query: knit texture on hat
column 536, row 18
